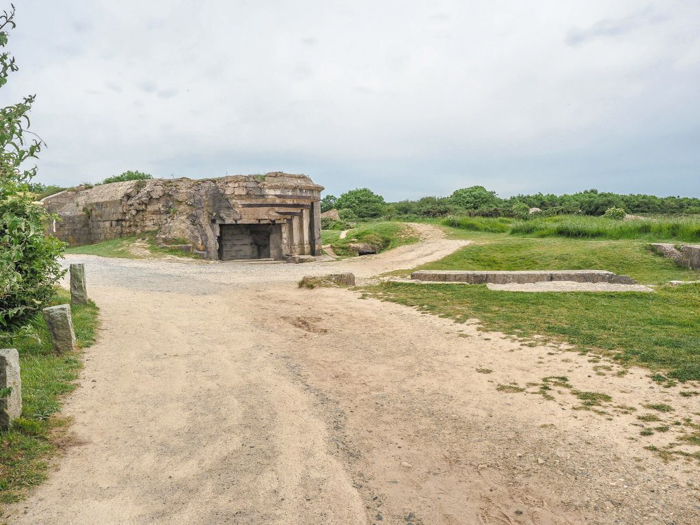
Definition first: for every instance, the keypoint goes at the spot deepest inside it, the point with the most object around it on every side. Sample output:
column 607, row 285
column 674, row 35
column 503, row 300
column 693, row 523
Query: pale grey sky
column 408, row 98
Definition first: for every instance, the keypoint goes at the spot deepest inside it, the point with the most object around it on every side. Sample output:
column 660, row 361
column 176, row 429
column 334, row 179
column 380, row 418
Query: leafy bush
column 615, row 213
column 28, row 258
column 328, row 203
column 474, row 198
column 127, row 176
column 363, row 202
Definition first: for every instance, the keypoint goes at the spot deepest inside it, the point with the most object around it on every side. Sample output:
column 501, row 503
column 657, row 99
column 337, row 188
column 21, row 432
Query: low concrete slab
column 569, row 286
column 521, row 277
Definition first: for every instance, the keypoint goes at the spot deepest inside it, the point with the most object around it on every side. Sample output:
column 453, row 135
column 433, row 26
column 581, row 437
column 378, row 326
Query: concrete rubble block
column 78, row 288
column 10, row 387
column 343, row 279
column 336, row 279
column 691, row 253
column 60, row 324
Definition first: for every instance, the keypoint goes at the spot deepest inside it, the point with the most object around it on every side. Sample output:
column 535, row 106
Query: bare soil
column 222, row 393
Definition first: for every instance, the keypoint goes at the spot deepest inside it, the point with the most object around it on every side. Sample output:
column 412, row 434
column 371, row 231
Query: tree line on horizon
column 477, row 201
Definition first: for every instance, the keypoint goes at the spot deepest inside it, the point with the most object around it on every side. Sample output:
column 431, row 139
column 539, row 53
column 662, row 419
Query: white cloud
column 407, row 97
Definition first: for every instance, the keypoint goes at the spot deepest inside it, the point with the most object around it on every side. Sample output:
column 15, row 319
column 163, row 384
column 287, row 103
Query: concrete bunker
column 272, row 216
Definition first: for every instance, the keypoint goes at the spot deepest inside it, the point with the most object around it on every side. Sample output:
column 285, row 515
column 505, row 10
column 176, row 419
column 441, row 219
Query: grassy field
column 135, row 247
column 46, row 378
column 507, row 252
column 684, row 229
column 660, row 330
column 382, row 235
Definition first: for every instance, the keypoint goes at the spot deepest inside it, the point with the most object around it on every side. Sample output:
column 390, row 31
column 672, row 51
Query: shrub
column 28, row 258
column 364, row 203
column 127, row 176
column 615, row 213
column 474, row 198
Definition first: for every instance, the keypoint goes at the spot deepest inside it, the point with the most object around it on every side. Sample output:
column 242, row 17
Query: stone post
column 10, row 388
column 78, row 290
column 60, row 324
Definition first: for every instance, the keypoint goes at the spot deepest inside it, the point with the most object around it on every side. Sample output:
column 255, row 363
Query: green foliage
column 28, row 258
column 328, row 203
column 42, row 191
column 682, row 229
column 475, row 198
column 479, row 224
column 381, row 235
column 686, row 229
column 363, row 202
column 46, row 376
column 503, row 252
column 615, row 213
column 127, row 176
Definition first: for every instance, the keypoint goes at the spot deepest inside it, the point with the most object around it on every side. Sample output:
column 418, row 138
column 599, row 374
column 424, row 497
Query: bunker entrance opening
column 247, row 241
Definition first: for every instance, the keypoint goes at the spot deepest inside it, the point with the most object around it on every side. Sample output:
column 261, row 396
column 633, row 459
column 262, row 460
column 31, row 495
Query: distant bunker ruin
column 271, row 216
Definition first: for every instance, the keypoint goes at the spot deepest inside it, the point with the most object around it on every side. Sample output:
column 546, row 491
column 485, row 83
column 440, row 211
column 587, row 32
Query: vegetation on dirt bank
column 381, row 235
column 141, row 246
column 658, row 330
column 505, row 252
column 46, row 378
column 684, row 229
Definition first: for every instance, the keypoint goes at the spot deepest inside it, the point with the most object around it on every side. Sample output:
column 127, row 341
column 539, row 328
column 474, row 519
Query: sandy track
column 221, row 393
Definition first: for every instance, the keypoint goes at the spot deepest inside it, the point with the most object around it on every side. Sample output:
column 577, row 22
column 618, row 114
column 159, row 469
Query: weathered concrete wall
column 685, row 255
column 521, row 277
column 185, row 211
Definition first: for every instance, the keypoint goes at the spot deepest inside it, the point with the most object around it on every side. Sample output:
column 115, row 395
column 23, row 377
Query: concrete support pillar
column 316, row 248
column 306, row 231
column 10, row 388
column 60, row 324
column 78, row 289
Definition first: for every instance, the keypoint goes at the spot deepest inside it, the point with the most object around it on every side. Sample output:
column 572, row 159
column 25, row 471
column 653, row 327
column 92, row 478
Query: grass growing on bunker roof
column 46, row 378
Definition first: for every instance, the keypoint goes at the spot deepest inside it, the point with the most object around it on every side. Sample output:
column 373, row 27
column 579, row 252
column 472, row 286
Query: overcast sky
column 410, row 98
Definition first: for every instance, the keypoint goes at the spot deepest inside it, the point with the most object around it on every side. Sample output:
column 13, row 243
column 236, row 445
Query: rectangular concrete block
column 78, row 288
column 691, row 253
column 10, row 387
column 60, row 323
column 521, row 277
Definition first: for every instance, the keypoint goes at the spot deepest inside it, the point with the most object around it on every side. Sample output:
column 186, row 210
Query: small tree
column 127, row 176
column 28, row 258
column 328, row 203
column 474, row 198
column 363, row 202
column 615, row 213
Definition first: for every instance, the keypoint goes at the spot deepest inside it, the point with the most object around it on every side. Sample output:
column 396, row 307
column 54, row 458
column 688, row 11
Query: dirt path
column 221, row 393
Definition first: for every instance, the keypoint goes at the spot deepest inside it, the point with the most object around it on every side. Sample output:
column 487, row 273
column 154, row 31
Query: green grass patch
column 660, row 407
column 141, row 246
column 685, row 229
column 503, row 252
column 381, row 235
column 46, row 378
column 511, row 389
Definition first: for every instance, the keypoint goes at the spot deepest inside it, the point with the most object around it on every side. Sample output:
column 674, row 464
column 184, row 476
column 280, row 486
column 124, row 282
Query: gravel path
column 221, row 393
